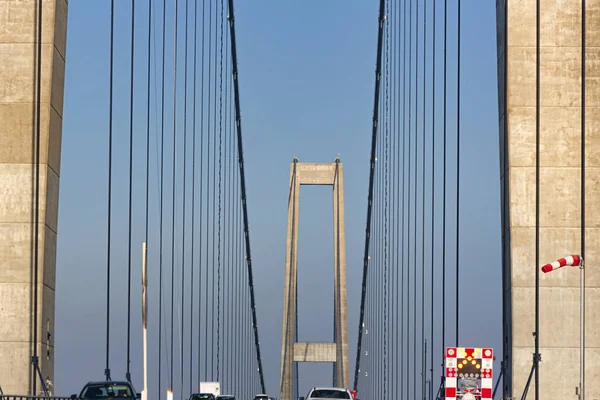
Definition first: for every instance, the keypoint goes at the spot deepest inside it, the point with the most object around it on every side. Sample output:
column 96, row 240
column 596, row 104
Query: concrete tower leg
column 18, row 101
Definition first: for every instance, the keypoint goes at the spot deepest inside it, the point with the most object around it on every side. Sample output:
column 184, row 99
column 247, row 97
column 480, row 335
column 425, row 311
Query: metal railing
column 27, row 397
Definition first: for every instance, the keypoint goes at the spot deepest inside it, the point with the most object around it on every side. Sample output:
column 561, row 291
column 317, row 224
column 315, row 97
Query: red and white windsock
column 570, row 261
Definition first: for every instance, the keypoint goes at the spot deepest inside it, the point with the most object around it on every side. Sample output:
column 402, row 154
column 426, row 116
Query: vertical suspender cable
column 229, row 329
column 38, row 115
column 394, row 193
column 370, row 195
column 423, row 179
column 183, row 221
column 505, row 206
column 148, row 122
column 214, row 205
column 174, row 176
column 537, row 198
column 404, row 349
column 195, row 73
column 206, row 324
column 408, row 233
column 243, row 190
column 458, row 179
column 200, row 205
column 433, row 118
column 162, row 187
column 208, row 187
column 398, row 251
column 148, row 142
column 110, row 136
column 219, row 208
column 583, row 56
column 128, row 374
column 444, row 185
column 385, row 208
column 415, row 198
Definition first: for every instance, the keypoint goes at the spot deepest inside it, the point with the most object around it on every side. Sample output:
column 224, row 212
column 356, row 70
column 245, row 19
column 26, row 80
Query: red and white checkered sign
column 452, row 369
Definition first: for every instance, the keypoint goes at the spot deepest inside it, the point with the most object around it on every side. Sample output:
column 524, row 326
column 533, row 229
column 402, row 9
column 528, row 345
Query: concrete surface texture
column 291, row 350
column 560, row 194
column 18, row 87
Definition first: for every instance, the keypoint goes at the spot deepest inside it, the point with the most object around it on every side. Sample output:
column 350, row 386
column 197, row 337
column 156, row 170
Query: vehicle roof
column 109, row 382
column 330, row 388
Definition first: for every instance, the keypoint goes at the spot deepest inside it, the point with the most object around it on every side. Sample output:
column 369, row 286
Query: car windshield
column 105, row 390
column 329, row 394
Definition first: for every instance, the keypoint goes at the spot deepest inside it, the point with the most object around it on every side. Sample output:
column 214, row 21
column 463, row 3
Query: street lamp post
column 576, row 261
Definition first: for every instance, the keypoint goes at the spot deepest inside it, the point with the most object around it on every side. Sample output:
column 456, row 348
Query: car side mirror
column 73, row 396
column 138, row 395
column 302, row 398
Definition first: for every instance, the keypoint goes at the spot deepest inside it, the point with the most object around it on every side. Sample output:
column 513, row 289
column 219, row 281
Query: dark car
column 106, row 389
column 202, row 396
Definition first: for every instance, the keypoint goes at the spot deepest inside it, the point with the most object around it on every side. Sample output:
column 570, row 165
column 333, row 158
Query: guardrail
column 26, row 397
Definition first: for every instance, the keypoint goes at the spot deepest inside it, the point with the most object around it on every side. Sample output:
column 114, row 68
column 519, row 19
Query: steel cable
column 109, row 217
column 161, row 201
column 174, row 185
column 192, row 239
column 36, row 140
column 184, row 193
column 243, row 191
column 128, row 374
column 370, row 193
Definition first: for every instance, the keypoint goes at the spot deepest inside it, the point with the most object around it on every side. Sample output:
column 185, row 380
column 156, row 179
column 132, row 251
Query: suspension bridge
column 170, row 197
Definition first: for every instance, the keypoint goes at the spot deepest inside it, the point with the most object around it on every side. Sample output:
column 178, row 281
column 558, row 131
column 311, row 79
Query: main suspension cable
column 370, row 195
column 243, row 190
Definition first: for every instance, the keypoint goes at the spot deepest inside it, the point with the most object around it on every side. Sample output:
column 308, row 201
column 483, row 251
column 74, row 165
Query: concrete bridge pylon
column 19, row 90
column 292, row 351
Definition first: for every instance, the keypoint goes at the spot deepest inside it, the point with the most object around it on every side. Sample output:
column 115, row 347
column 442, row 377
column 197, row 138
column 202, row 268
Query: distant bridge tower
column 291, row 351
column 560, row 195
column 19, row 56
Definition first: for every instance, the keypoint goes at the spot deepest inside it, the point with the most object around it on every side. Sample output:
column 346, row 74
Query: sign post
column 145, row 319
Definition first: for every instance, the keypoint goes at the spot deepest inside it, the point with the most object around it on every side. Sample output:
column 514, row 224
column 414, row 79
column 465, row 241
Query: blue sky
column 306, row 83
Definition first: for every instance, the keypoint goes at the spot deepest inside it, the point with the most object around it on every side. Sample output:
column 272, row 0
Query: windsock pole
column 576, row 261
column 145, row 319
